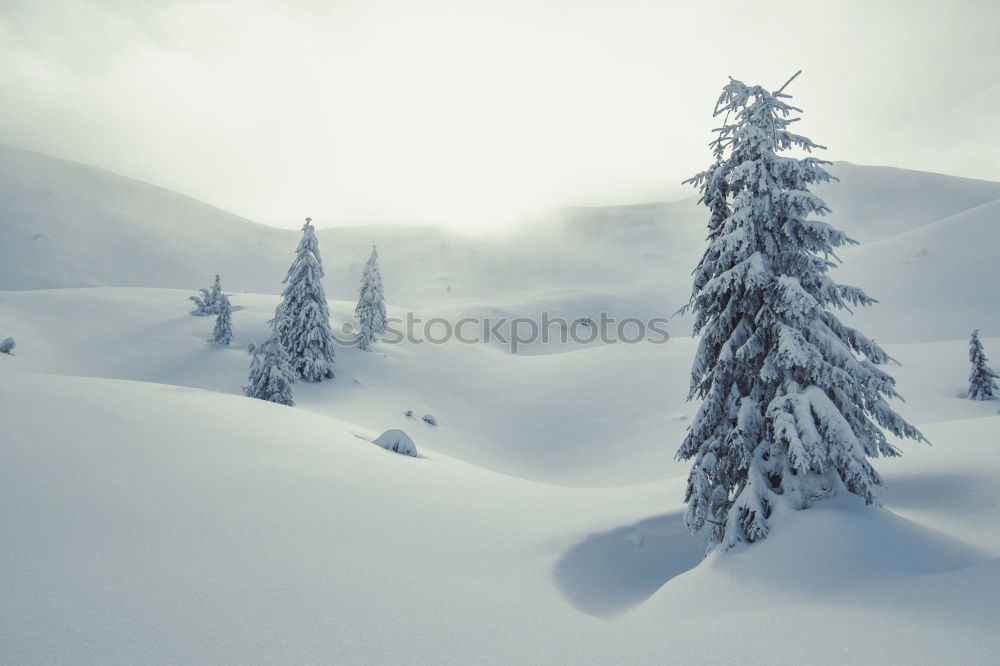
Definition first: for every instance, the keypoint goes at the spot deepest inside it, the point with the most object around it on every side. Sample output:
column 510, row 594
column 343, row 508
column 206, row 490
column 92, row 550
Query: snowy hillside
column 616, row 410
column 167, row 518
column 927, row 291
column 150, row 513
column 930, row 280
column 70, row 225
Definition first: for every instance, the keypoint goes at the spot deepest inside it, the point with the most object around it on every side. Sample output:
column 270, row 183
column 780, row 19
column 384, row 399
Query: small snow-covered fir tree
column 216, row 293
column 982, row 379
column 271, row 374
column 223, row 333
column 793, row 401
column 371, row 304
column 302, row 319
column 7, row 346
column 208, row 302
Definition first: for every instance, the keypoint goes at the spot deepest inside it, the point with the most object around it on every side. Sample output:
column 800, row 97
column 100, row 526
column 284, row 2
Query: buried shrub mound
column 397, row 441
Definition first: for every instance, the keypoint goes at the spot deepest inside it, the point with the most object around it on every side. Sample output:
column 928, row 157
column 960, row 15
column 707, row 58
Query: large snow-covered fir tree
column 794, row 402
column 271, row 374
column 223, row 333
column 982, row 379
column 208, row 302
column 302, row 319
column 371, row 304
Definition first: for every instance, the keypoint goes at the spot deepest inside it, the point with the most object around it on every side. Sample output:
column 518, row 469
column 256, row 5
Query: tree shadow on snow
column 611, row 572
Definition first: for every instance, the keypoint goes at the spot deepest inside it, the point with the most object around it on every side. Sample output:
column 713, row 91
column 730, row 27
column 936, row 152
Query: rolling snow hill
column 64, row 224
column 150, row 513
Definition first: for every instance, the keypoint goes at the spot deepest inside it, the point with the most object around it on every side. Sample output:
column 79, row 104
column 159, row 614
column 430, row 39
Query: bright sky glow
column 478, row 114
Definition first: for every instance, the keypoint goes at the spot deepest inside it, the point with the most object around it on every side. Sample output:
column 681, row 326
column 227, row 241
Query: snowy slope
column 927, row 243
column 874, row 202
column 68, row 225
column 867, row 202
column 152, row 523
column 151, row 514
column 156, row 523
column 64, row 224
column 599, row 415
column 933, row 282
column 518, row 414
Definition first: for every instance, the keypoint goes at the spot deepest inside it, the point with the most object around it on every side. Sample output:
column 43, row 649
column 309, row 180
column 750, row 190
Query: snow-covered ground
column 71, row 225
column 150, row 513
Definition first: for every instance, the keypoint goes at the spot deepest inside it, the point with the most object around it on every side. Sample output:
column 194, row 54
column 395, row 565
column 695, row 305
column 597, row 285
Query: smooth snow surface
column 927, row 238
column 149, row 513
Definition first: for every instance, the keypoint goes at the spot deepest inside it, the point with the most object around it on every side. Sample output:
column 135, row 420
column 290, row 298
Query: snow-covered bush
column 302, row 319
column 371, row 304
column 223, row 333
column 982, row 379
column 429, row 419
column 271, row 375
column 790, row 414
column 7, row 346
column 397, row 441
column 208, row 302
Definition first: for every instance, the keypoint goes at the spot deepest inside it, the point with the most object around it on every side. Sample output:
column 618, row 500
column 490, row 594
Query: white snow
column 149, row 513
column 71, row 225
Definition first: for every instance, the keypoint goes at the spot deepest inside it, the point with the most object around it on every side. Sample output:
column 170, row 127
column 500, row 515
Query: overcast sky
column 477, row 114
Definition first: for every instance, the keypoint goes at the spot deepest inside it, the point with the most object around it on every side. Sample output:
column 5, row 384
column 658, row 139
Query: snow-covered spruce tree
column 982, row 379
column 302, row 319
column 208, row 302
column 271, row 374
column 7, row 346
column 793, row 400
column 371, row 304
column 223, row 333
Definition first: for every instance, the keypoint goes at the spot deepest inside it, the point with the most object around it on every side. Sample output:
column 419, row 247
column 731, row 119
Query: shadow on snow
column 610, row 572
